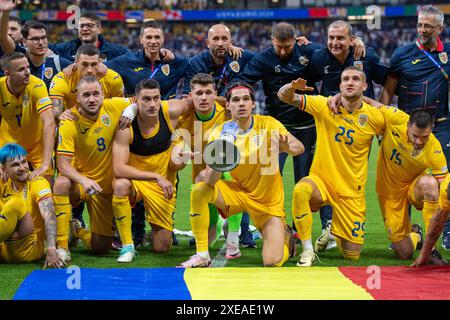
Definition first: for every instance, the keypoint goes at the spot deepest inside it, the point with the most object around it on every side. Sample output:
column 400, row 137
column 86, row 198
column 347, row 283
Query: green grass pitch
column 375, row 250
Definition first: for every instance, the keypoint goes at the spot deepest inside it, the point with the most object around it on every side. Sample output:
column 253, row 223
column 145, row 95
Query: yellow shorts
column 444, row 202
column 159, row 211
column 237, row 200
column 395, row 213
column 101, row 216
column 28, row 249
column 349, row 214
column 35, row 159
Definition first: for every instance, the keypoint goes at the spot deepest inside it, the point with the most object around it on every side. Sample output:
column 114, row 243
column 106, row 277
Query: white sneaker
column 64, row 255
column 127, row 253
column 307, row 257
column 233, row 251
column 196, row 261
column 326, row 240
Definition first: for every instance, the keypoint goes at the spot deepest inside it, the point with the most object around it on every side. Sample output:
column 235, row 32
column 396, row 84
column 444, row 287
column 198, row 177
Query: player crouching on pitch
column 27, row 216
column 256, row 185
column 141, row 158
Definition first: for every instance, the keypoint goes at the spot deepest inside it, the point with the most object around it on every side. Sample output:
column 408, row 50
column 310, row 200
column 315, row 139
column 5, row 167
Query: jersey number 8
column 101, row 144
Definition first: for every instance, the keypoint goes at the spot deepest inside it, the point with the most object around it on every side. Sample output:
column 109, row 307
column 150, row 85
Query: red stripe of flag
column 318, row 13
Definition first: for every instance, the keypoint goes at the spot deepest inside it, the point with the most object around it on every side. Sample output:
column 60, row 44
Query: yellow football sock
column 429, row 209
column 301, row 212
column 85, row 235
column 63, row 212
column 122, row 215
column 285, row 256
column 415, row 238
column 347, row 254
column 201, row 195
column 14, row 210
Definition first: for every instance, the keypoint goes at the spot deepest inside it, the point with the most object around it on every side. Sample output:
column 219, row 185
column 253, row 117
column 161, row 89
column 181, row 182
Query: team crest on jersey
column 415, row 152
column 443, row 57
column 165, row 69
column 106, row 120
column 48, row 73
column 359, row 65
column 235, row 66
column 303, row 60
column 362, row 119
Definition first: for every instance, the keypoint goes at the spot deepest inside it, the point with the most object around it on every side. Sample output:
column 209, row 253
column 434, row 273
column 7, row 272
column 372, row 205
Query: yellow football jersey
column 90, row 142
column 343, row 144
column 196, row 133
column 157, row 163
column 258, row 172
column 21, row 122
column 398, row 162
column 64, row 88
column 32, row 193
column 444, row 202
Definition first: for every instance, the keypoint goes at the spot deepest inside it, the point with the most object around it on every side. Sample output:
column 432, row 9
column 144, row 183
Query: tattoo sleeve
column 48, row 214
column 58, row 107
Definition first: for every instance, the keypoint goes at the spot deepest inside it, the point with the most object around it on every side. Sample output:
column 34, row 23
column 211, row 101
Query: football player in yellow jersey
column 437, row 224
column 63, row 89
column 338, row 173
column 84, row 160
column 194, row 129
column 26, row 114
column 259, row 140
column 30, row 225
column 141, row 157
column 408, row 150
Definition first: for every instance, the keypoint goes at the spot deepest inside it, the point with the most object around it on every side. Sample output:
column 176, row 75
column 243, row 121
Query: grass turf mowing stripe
column 403, row 283
column 271, row 284
column 105, row 284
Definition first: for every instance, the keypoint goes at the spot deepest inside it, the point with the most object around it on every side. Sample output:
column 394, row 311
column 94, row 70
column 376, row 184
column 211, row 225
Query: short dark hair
column 16, row 19
column 422, row 118
column 202, row 79
column 151, row 24
column 32, row 24
column 87, row 49
column 6, row 60
column 240, row 85
column 283, row 31
column 146, row 84
column 88, row 79
column 92, row 16
column 355, row 69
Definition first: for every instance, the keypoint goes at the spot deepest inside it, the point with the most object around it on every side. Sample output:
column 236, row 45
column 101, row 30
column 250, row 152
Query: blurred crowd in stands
column 203, row 4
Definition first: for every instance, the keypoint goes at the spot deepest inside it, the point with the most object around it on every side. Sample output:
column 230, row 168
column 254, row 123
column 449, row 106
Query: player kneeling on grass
column 84, row 159
column 27, row 217
column 338, row 173
column 141, row 157
column 256, row 185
